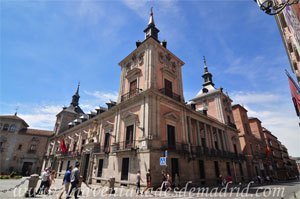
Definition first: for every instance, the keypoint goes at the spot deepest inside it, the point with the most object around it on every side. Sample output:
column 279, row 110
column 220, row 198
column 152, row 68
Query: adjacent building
column 265, row 154
column 289, row 26
column 149, row 118
column 21, row 148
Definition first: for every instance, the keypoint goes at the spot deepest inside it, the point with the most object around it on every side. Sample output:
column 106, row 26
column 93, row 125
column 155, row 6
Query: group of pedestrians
column 47, row 179
column 266, row 179
column 167, row 181
column 224, row 181
column 71, row 178
column 139, row 180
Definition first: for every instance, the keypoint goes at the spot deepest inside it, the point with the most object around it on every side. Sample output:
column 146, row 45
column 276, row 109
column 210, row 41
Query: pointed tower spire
column 151, row 20
column 207, row 77
column 151, row 30
column 75, row 97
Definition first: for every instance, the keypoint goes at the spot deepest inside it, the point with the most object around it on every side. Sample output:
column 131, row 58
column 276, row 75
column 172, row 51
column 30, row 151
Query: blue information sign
column 166, row 153
column 163, row 161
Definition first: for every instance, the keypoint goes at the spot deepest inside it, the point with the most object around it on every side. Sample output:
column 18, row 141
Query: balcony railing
column 259, row 155
column 130, row 94
column 170, row 94
column 231, row 125
column 101, row 149
column 31, row 151
column 179, row 147
column 204, row 151
column 69, row 153
column 128, row 145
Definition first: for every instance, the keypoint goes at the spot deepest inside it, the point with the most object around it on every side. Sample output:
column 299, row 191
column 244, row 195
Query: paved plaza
column 286, row 190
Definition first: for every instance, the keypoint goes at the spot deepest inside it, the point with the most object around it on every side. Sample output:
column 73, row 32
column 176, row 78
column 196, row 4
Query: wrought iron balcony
column 179, row 147
column 128, row 145
column 130, row 94
column 170, row 94
column 231, row 125
column 31, row 151
column 69, row 153
column 101, row 149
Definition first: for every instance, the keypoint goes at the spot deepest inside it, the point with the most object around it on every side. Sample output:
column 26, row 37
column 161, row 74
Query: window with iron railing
column 130, row 94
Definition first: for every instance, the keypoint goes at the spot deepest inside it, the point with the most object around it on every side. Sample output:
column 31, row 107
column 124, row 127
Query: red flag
column 63, row 147
column 295, row 92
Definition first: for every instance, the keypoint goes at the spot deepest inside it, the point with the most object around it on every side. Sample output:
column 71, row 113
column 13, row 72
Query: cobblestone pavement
column 287, row 190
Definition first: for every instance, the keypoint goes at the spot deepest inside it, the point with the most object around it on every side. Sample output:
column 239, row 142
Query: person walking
column 169, row 182
column 51, row 179
column 138, row 182
column 66, row 181
column 75, row 179
column 148, row 177
column 229, row 179
column 45, row 182
column 163, row 180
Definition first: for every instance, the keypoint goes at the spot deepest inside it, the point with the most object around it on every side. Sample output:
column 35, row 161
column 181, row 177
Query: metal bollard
column 33, row 180
column 111, row 189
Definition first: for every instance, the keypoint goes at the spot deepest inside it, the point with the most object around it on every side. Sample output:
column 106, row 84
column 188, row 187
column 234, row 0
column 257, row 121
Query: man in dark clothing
column 75, row 177
column 148, row 177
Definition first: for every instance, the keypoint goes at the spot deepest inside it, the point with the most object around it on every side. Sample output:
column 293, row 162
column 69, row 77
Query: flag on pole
column 295, row 92
column 63, row 147
column 268, row 150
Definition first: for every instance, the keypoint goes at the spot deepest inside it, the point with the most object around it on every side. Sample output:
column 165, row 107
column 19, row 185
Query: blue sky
column 48, row 46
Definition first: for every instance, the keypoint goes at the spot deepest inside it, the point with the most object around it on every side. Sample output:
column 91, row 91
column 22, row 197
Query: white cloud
column 39, row 120
column 52, row 109
column 276, row 113
column 242, row 97
column 103, row 96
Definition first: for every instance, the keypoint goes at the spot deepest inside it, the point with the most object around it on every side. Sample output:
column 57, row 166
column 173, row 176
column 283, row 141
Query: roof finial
column 77, row 91
column 205, row 66
column 151, row 21
column 16, row 111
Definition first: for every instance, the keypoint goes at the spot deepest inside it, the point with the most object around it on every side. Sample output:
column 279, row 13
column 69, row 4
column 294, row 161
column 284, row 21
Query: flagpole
column 295, row 94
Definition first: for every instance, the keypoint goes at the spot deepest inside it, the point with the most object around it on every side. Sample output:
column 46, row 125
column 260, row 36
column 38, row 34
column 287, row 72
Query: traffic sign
column 166, row 153
column 163, row 161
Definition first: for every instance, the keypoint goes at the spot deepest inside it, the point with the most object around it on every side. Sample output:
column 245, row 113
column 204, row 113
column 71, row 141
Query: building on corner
column 21, row 148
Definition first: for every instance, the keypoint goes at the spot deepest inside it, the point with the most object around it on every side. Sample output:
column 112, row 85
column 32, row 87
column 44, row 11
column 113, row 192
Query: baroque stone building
column 150, row 117
column 21, row 148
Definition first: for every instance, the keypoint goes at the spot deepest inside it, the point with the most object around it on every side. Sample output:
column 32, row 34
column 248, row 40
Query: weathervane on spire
column 151, row 12
column 204, row 60
column 77, row 91
column 16, row 111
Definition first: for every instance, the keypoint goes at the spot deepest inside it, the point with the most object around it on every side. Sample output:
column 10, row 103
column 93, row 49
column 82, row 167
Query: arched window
column 12, row 128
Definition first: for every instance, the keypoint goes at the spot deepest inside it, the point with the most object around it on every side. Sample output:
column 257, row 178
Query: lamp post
column 270, row 7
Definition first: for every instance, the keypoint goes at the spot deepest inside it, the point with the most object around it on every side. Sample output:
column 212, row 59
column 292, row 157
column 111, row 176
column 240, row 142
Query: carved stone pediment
column 171, row 116
column 108, row 125
column 169, row 72
column 133, row 72
column 130, row 116
column 235, row 138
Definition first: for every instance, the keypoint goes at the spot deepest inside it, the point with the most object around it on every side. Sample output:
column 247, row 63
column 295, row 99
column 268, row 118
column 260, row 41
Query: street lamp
column 270, row 7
